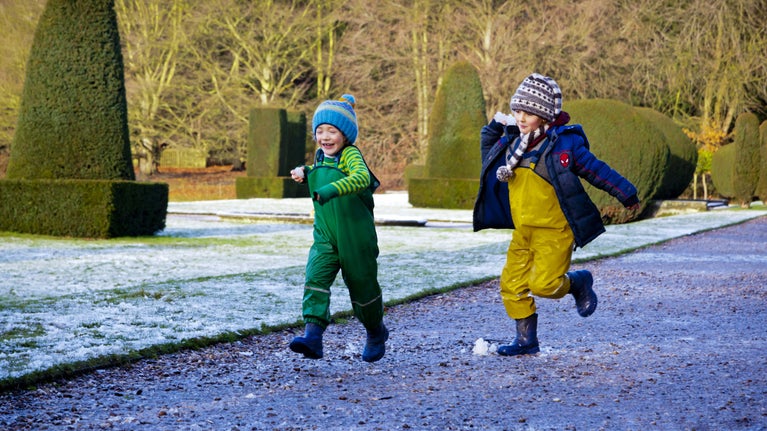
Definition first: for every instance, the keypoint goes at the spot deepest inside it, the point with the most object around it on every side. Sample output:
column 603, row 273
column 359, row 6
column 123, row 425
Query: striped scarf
column 506, row 172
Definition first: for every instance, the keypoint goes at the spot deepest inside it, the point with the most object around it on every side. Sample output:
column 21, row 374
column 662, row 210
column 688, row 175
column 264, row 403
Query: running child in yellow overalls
column 532, row 164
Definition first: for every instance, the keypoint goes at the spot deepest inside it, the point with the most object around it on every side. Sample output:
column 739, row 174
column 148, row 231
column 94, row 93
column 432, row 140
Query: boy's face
column 528, row 122
column 330, row 139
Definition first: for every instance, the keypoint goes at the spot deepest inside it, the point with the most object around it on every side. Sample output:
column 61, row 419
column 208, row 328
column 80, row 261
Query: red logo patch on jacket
column 564, row 160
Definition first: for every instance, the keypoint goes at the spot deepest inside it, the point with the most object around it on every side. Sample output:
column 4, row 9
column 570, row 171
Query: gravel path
column 678, row 343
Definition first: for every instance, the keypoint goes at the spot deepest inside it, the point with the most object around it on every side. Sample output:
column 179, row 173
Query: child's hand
column 298, row 174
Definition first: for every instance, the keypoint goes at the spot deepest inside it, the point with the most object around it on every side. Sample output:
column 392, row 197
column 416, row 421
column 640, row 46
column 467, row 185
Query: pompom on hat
column 538, row 95
column 339, row 114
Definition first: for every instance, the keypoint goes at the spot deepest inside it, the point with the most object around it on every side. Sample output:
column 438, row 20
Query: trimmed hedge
column 276, row 144
column 746, row 169
column 631, row 144
column 723, row 170
column 683, row 157
column 453, row 156
column 761, row 186
column 458, row 193
column 83, row 208
column 70, row 172
column 73, row 117
column 183, row 158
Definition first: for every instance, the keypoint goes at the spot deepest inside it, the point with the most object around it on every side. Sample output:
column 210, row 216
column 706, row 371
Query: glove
column 506, row 120
column 504, row 174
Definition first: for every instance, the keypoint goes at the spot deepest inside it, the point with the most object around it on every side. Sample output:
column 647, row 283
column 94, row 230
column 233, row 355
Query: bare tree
column 152, row 34
column 699, row 61
column 493, row 32
column 328, row 29
column 430, row 34
column 264, row 47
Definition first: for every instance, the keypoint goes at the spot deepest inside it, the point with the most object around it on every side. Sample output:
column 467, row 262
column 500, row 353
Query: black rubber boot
column 375, row 347
column 526, row 342
column 580, row 287
column 311, row 343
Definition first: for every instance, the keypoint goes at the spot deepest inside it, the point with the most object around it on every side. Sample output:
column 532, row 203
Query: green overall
column 344, row 239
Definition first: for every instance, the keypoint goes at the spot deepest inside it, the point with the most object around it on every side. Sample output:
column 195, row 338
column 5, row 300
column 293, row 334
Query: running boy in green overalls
column 341, row 187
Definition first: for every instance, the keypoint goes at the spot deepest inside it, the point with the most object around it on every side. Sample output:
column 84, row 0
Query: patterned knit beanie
column 339, row 114
column 538, row 95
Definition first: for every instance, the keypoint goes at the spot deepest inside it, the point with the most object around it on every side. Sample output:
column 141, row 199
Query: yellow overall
column 541, row 245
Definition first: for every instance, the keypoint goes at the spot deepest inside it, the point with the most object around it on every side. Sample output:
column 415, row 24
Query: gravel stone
column 677, row 342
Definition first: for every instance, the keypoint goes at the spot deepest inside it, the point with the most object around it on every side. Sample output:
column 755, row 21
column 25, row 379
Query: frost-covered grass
column 217, row 272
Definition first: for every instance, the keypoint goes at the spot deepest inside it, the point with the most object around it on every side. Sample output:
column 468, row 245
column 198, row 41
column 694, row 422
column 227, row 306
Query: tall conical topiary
column 723, row 170
column 450, row 176
column 70, row 170
column 457, row 116
column 73, row 119
column 761, row 186
column 746, row 169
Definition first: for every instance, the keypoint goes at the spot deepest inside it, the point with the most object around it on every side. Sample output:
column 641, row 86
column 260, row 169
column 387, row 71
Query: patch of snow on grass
column 66, row 300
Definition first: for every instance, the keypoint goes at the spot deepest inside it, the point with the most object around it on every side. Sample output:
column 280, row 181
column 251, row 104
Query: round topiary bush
column 683, row 157
column 626, row 140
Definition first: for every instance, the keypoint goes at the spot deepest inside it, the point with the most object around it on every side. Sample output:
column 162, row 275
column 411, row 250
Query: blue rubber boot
column 526, row 342
column 375, row 347
column 311, row 343
column 581, row 283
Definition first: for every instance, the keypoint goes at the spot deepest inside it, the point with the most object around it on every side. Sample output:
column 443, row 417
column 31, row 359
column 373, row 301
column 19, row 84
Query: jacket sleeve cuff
column 632, row 200
column 495, row 126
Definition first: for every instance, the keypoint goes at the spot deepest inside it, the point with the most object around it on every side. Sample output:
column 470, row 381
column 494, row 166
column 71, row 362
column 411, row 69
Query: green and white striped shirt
column 353, row 165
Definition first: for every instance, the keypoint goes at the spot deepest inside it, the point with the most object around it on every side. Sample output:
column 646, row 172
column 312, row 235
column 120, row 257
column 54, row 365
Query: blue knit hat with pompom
column 339, row 114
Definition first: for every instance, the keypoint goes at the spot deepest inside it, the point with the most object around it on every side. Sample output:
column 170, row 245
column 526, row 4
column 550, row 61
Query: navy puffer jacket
column 566, row 159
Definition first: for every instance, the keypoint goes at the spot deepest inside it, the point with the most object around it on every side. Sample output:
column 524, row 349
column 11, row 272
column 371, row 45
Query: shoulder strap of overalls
column 536, row 154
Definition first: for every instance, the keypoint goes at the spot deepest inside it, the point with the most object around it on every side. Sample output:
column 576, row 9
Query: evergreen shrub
column 183, row 158
column 627, row 141
column 761, row 187
column 457, row 193
column 414, row 170
column 450, row 175
column 723, row 171
column 276, row 144
column 83, row 208
column 746, row 169
column 269, row 187
column 683, row 156
column 73, row 118
column 70, row 171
